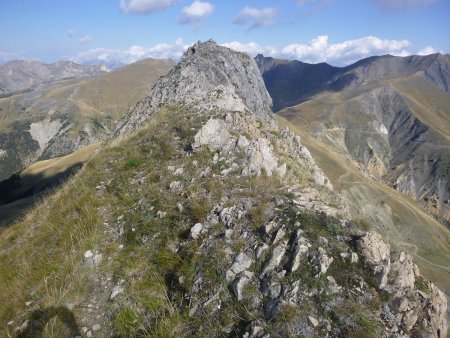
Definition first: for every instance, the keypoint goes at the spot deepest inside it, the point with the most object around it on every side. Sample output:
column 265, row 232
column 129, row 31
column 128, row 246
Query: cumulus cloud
column 252, row 48
column 320, row 50
column 254, row 17
column 119, row 57
column 195, row 12
column 145, row 6
column 317, row 50
column 85, row 39
column 401, row 5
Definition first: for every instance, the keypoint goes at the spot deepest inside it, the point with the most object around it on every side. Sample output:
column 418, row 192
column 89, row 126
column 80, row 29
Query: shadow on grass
column 39, row 318
column 20, row 193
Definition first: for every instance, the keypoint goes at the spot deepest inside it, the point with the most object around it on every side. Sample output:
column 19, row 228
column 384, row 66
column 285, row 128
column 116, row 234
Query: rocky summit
column 207, row 77
column 206, row 218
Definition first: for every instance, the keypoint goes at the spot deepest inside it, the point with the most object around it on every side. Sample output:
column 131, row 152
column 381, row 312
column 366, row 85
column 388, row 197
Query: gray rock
column 117, row 290
column 279, row 236
column 241, row 262
column 354, row 258
column 313, row 321
column 242, row 142
column 332, row 286
column 97, row 259
column 301, row 249
column 259, row 156
column 214, row 134
column 196, row 230
column 401, row 274
column 275, row 260
column 321, row 262
column 161, row 214
column 175, row 186
column 240, row 283
column 261, row 249
column 377, row 255
column 409, row 319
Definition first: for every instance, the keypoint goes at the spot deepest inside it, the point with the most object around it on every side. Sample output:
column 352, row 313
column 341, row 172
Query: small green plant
column 132, row 163
column 127, row 322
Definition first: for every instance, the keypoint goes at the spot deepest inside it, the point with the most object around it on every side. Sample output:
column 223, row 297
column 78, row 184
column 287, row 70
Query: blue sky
column 117, row 32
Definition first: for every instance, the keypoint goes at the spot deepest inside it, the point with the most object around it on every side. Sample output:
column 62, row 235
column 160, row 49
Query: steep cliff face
column 208, row 77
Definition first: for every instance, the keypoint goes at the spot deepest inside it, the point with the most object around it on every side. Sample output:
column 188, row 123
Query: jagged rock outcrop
column 408, row 304
column 208, row 77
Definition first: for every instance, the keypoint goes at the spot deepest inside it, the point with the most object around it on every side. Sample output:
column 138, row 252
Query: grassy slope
column 108, row 95
column 404, row 222
column 38, row 175
column 428, row 104
column 134, row 180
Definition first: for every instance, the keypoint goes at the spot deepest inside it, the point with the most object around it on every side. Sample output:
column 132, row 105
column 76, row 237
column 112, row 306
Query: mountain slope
column 391, row 118
column 24, row 75
column 57, row 119
column 206, row 222
column 293, row 82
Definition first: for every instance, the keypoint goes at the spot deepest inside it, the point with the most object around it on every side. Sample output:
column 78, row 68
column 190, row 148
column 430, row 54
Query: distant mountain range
column 389, row 116
column 293, row 82
column 22, row 75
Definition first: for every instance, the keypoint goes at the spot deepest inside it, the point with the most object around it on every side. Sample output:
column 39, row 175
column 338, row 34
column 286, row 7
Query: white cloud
column 429, row 50
column 145, row 6
column 119, row 57
column 85, row 39
column 196, row 11
column 71, row 33
column 254, row 17
column 319, row 50
column 252, row 48
column 401, row 5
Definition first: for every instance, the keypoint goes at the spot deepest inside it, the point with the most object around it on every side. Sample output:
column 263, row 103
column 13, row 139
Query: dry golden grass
column 109, row 95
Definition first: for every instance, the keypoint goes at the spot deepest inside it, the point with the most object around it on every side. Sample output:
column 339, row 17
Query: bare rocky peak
column 20, row 75
column 208, row 77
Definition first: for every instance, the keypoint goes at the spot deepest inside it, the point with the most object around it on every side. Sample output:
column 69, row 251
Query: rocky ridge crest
column 272, row 255
column 208, row 77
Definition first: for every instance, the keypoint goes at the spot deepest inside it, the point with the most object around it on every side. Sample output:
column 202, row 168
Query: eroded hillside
column 389, row 115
